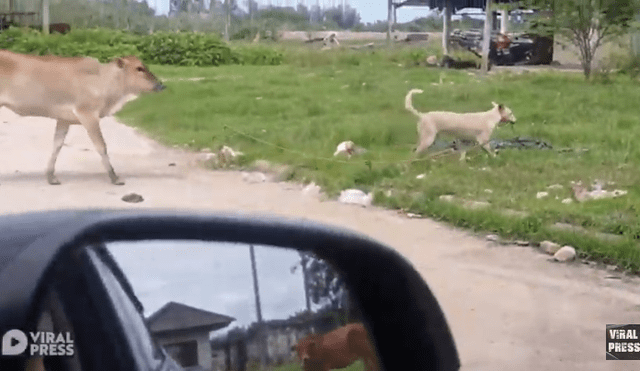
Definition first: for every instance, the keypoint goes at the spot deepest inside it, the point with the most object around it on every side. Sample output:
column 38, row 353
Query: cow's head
column 137, row 77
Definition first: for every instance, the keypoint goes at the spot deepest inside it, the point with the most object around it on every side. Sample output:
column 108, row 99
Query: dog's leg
column 487, row 148
column 427, row 137
column 62, row 128
column 463, row 156
column 92, row 124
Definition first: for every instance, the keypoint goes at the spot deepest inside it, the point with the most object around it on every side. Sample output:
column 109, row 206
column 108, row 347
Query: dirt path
column 509, row 307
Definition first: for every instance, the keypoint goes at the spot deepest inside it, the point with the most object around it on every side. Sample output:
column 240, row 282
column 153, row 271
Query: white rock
column 488, row 191
column 492, row 237
column 421, row 176
column 540, row 195
column 567, row 201
column 446, row 198
column 254, row 177
column 207, row 156
column 566, row 253
column 355, row 196
column 555, row 186
column 229, row 152
column 311, row 189
column 549, row 247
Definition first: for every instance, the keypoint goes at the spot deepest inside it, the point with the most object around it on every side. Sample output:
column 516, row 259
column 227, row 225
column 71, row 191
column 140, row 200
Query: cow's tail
column 409, row 105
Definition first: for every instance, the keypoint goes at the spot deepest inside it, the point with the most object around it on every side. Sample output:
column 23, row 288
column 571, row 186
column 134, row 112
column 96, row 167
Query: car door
column 110, row 328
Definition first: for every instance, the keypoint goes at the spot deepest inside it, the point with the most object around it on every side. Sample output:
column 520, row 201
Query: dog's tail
column 408, row 104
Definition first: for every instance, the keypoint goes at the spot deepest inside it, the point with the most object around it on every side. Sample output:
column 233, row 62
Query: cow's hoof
column 53, row 180
column 117, row 181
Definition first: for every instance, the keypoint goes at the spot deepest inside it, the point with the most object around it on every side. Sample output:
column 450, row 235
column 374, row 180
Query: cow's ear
column 119, row 62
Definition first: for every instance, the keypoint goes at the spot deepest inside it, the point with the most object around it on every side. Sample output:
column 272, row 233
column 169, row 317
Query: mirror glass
column 223, row 306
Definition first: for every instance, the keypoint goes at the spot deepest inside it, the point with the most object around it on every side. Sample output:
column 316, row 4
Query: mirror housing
column 402, row 315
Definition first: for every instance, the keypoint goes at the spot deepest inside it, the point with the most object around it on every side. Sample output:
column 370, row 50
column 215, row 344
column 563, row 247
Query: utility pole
column 256, row 292
column 45, row 16
column 446, row 26
column 226, row 23
column 389, row 19
column 305, row 282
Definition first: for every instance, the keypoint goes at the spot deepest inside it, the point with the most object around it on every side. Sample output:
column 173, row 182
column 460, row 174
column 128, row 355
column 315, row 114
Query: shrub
column 184, row 49
column 172, row 48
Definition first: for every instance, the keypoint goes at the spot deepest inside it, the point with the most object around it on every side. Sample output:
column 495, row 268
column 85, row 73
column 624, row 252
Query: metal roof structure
column 456, row 4
column 176, row 316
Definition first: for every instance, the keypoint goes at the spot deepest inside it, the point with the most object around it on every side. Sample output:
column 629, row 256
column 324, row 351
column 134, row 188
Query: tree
column 345, row 20
column 324, row 285
column 587, row 23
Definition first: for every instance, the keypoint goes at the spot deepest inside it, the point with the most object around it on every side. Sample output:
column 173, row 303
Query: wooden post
column 486, row 38
column 504, row 17
column 226, row 21
column 45, row 17
column 446, row 26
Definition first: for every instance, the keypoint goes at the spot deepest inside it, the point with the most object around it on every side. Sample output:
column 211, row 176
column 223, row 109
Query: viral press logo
column 14, row 342
column 43, row 343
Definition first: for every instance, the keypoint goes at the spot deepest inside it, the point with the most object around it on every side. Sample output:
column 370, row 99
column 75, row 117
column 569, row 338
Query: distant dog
column 476, row 126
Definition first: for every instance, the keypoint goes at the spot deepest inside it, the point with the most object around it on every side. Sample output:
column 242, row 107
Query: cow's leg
column 62, row 128
column 92, row 124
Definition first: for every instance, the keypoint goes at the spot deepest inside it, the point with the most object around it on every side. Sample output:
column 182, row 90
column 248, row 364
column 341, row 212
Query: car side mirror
column 94, row 265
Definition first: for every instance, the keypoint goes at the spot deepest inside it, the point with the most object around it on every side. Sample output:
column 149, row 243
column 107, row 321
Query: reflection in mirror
column 221, row 306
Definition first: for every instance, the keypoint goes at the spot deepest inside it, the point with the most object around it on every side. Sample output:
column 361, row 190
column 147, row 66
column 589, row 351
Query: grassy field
column 357, row 366
column 297, row 113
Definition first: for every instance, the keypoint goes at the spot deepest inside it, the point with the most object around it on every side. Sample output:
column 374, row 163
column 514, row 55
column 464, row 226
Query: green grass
column 357, row 366
column 320, row 98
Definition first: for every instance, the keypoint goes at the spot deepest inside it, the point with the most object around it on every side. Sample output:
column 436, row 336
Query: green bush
column 168, row 48
column 245, row 33
column 184, row 49
column 258, row 56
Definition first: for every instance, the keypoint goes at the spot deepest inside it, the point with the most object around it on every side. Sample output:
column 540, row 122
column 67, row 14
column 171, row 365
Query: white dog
column 476, row 126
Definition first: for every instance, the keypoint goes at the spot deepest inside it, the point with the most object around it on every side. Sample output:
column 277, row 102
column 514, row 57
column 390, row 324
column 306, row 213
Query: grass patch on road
column 303, row 109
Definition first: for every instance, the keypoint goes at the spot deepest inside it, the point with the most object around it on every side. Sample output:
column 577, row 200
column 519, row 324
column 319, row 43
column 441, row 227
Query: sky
column 370, row 11
column 214, row 277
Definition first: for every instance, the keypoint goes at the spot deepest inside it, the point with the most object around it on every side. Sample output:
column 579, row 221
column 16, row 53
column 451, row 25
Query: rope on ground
column 439, row 154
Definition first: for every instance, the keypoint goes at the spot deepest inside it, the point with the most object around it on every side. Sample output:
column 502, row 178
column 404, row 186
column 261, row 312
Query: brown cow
column 73, row 91
column 337, row 349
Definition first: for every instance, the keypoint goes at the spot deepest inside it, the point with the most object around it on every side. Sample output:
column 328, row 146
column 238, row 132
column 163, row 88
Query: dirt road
column 509, row 307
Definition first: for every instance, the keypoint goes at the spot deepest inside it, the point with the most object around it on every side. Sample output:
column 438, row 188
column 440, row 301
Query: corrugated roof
column 457, row 4
column 176, row 316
